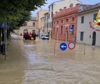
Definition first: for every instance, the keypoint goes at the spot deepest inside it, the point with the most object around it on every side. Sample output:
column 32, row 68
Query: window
column 61, row 29
column 33, row 24
column 49, row 8
column 94, row 16
column 66, row 20
column 48, row 16
column 82, row 19
column 52, row 6
column 73, row 19
column 51, row 14
column 61, row 21
column 57, row 22
column 54, row 30
column 73, row 29
column 81, row 36
column 51, row 24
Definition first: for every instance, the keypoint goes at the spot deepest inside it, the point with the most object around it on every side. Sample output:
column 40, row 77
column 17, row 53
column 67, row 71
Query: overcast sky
column 51, row 1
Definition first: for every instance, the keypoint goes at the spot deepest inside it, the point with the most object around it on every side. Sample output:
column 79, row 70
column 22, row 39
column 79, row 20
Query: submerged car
column 45, row 36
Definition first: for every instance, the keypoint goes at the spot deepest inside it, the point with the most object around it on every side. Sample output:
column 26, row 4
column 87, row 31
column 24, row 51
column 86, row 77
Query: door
column 81, row 36
column 93, row 38
column 66, row 34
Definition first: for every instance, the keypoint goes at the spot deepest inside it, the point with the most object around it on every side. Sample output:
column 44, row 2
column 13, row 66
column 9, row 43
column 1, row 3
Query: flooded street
column 34, row 62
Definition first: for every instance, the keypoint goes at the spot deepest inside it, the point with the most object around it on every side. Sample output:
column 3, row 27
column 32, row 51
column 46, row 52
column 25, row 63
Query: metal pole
column 84, row 48
column 57, row 36
column 0, row 39
column 54, row 48
column 5, row 40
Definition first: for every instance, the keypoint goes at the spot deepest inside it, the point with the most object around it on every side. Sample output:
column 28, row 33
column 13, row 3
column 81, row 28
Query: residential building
column 29, row 26
column 55, row 6
column 46, row 23
column 42, row 26
column 63, row 21
column 40, row 15
column 87, row 32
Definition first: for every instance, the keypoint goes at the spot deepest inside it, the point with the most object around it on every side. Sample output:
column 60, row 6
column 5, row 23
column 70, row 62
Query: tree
column 9, row 8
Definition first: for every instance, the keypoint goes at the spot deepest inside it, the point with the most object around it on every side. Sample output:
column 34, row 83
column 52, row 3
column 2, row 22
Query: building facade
column 46, row 23
column 55, row 6
column 29, row 26
column 42, row 26
column 63, row 21
column 87, row 31
column 40, row 15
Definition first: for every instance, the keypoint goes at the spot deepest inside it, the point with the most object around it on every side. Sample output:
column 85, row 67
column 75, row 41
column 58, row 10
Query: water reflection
column 34, row 62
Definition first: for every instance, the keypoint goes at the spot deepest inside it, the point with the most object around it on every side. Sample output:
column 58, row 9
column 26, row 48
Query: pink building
column 62, row 21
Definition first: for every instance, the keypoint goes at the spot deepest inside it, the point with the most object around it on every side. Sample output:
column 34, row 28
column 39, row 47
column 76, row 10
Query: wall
column 64, row 3
column 29, row 27
column 30, row 23
column 40, row 14
column 56, row 6
column 86, row 29
column 64, row 14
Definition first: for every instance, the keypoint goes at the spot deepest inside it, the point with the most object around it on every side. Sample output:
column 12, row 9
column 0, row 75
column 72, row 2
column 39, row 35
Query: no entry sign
column 71, row 45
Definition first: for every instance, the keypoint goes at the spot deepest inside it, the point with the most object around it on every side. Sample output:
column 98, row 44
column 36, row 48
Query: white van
column 45, row 36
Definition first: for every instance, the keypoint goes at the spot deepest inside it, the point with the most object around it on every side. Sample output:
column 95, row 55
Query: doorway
column 66, row 34
column 93, row 38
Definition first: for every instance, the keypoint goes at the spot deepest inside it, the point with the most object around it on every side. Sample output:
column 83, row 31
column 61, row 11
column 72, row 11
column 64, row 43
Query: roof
column 54, row 2
column 90, row 8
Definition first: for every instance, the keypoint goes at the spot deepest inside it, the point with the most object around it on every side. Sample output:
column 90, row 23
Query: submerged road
column 34, row 62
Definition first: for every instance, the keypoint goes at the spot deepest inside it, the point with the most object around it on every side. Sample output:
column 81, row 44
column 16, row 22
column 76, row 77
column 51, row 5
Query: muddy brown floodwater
column 34, row 62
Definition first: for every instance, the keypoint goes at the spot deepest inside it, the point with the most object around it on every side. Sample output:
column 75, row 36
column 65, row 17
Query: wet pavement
column 34, row 62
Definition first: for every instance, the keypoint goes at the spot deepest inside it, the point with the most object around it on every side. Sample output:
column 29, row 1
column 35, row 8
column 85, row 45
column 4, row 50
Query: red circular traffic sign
column 71, row 45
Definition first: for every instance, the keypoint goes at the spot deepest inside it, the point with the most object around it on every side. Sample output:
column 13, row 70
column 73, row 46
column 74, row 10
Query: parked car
column 45, row 36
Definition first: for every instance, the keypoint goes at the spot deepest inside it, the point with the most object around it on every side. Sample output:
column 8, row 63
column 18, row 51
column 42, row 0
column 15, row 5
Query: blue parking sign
column 71, row 28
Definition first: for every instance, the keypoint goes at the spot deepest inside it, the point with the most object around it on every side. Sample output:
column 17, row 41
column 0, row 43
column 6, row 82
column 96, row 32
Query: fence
column 78, row 47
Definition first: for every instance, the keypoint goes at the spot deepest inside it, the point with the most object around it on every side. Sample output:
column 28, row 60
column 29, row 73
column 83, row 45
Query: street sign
column 63, row 46
column 57, row 26
column 71, row 45
column 3, row 25
column 71, row 28
column 67, row 25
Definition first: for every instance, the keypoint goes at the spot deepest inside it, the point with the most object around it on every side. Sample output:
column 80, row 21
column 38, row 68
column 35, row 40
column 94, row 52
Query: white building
column 55, row 6
column 85, row 25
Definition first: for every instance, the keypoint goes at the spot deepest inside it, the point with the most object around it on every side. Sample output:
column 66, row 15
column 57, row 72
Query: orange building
column 62, row 21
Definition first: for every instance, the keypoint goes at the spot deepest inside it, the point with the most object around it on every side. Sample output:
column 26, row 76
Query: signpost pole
column 5, row 40
column 84, row 48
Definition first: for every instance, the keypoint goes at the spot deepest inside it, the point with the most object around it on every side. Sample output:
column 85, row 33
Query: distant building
column 42, row 25
column 55, row 6
column 29, row 26
column 86, row 31
column 46, row 23
column 40, row 15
